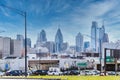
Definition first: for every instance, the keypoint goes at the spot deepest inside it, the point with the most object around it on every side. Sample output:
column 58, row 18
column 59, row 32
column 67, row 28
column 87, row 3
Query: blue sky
column 73, row 16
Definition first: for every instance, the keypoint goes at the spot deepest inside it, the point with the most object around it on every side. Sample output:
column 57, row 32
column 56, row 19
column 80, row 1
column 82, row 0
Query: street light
column 22, row 13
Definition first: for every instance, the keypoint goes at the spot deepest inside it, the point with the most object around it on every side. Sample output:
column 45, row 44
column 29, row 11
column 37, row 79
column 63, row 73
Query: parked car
column 82, row 72
column 88, row 72
column 74, row 72
column 95, row 72
column 14, row 73
column 1, row 73
column 66, row 73
column 54, row 73
column 40, row 72
column 111, row 72
column 118, row 73
column 102, row 73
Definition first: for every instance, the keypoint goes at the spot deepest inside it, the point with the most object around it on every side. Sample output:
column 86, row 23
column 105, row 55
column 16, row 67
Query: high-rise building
column 58, row 41
column 64, row 46
column 42, row 36
column 86, row 45
column 51, row 46
column 29, row 42
column 102, row 35
column 101, row 32
column 94, row 36
column 79, row 42
column 16, row 48
column 41, row 39
column 21, row 38
column 105, row 37
column 4, row 46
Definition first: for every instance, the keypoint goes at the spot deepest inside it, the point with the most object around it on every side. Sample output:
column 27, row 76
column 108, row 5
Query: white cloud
column 77, row 20
column 5, row 12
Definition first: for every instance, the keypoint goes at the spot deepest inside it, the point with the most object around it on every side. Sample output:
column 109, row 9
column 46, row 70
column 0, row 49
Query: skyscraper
column 42, row 37
column 15, row 47
column 58, row 41
column 94, row 36
column 21, row 38
column 79, row 42
column 86, row 45
column 105, row 37
column 51, row 46
column 29, row 42
column 101, row 32
column 4, row 46
column 102, row 35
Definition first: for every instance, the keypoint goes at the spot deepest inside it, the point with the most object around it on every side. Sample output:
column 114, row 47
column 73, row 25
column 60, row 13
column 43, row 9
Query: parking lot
column 58, row 72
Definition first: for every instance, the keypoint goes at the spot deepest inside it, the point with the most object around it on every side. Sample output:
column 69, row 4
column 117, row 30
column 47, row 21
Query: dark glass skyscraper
column 58, row 41
column 41, row 37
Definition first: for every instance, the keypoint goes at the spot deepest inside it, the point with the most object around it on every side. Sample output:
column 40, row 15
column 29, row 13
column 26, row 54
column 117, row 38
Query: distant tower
column 21, row 39
column 58, row 41
column 86, row 45
column 105, row 37
column 79, row 42
column 29, row 42
column 102, row 35
column 101, row 32
column 94, row 36
column 41, row 37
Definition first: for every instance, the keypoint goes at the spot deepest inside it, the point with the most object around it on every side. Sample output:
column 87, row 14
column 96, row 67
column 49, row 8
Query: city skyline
column 70, row 16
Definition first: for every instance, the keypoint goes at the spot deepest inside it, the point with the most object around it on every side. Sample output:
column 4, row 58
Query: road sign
column 83, row 64
column 109, row 59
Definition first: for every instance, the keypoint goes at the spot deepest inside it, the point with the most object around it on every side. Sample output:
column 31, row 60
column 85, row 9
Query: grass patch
column 66, row 77
column 79, row 77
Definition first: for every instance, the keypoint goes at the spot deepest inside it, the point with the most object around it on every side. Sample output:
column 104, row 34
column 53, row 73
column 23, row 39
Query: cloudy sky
column 72, row 16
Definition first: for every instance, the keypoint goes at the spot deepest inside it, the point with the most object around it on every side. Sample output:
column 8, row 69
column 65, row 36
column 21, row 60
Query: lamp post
column 22, row 13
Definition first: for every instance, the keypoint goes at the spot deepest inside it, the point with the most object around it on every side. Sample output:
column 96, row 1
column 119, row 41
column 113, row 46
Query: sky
column 71, row 16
